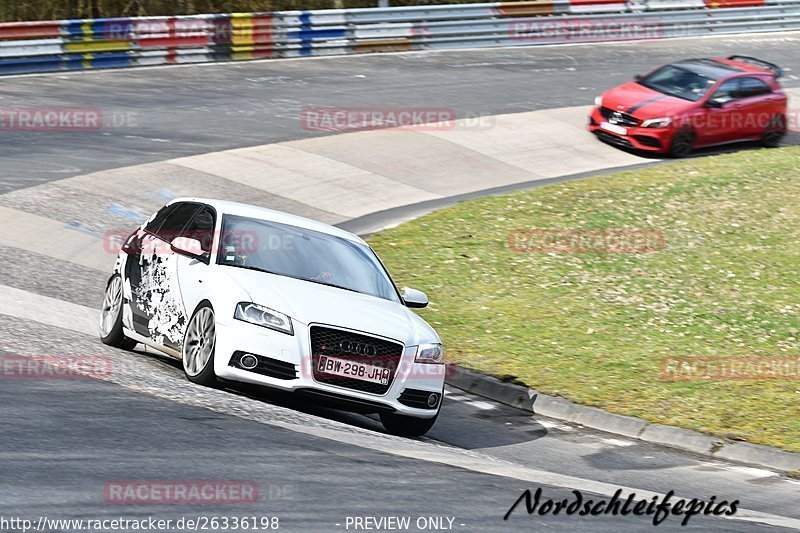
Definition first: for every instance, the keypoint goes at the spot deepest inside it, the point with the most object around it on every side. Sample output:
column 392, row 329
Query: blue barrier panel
column 311, row 34
column 73, row 62
column 30, row 64
column 125, row 59
column 72, row 27
column 305, row 18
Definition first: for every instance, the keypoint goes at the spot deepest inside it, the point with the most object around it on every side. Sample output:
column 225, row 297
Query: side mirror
column 638, row 77
column 715, row 104
column 189, row 247
column 414, row 298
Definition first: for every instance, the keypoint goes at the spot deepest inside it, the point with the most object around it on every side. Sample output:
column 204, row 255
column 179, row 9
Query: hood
column 643, row 103
column 308, row 302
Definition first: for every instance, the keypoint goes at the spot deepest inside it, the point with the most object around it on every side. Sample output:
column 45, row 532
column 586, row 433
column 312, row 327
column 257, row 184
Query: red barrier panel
column 29, row 30
column 590, row 3
column 733, row 3
column 522, row 9
column 262, row 29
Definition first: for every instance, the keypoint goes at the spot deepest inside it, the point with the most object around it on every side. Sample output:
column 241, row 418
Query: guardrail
column 125, row 42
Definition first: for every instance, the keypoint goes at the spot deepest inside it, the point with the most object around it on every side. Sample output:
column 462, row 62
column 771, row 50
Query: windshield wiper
column 248, row 267
column 331, row 285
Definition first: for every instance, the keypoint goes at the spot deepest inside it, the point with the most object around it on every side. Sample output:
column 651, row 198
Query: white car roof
column 262, row 213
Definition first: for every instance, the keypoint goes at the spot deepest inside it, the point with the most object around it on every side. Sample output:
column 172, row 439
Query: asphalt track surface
column 62, row 440
column 197, row 109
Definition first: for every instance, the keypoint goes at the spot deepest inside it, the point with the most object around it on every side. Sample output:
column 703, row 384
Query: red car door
column 756, row 101
column 721, row 113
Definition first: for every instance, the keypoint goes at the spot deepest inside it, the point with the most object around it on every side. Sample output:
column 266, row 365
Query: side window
column 727, row 92
column 201, row 228
column 154, row 225
column 176, row 220
column 753, row 87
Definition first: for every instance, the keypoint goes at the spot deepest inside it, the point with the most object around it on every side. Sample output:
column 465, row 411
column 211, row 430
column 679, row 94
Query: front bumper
column 655, row 140
column 286, row 363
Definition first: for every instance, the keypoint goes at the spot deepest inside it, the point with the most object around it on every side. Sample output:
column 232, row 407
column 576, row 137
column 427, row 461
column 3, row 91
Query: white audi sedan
column 247, row 294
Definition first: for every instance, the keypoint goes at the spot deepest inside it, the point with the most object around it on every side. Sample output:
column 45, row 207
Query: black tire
column 682, row 143
column 407, row 426
column 111, row 310
column 203, row 376
column 774, row 133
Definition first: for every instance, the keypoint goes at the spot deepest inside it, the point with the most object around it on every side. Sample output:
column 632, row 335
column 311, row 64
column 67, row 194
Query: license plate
column 353, row 370
column 619, row 130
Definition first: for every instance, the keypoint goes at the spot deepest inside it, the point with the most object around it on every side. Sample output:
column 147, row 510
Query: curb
column 537, row 403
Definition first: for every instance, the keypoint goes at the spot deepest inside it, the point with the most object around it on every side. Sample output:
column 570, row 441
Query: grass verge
column 602, row 328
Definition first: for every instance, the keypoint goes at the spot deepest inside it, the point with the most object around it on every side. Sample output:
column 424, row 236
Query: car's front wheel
column 111, row 316
column 199, row 342
column 682, row 143
column 407, row 426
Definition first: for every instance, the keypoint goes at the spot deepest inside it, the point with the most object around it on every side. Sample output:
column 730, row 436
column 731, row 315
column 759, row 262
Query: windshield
column 679, row 82
column 303, row 254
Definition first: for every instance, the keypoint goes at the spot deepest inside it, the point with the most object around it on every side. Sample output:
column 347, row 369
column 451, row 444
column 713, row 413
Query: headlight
column 598, row 101
column 662, row 122
column 430, row 353
column 264, row 317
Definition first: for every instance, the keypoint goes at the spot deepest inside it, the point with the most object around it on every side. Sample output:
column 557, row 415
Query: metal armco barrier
column 126, row 42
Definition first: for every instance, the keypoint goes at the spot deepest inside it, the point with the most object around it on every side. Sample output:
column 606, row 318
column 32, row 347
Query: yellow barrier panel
column 90, row 45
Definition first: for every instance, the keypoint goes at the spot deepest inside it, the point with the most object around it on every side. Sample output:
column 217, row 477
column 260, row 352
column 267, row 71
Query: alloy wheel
column 112, row 303
column 198, row 346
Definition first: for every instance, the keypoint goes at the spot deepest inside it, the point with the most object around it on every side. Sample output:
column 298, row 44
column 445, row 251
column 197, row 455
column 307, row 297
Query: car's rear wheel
column 682, row 143
column 111, row 316
column 407, row 426
column 774, row 133
column 199, row 343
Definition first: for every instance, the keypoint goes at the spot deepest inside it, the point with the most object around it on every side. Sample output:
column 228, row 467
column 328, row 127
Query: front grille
column 369, row 350
column 267, row 366
column 418, row 398
column 619, row 118
column 613, row 139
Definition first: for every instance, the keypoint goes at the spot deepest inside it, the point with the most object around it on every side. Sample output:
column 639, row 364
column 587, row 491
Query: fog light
column 248, row 361
column 433, row 399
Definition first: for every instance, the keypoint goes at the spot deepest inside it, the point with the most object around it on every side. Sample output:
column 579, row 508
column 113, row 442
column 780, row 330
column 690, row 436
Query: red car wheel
column 682, row 143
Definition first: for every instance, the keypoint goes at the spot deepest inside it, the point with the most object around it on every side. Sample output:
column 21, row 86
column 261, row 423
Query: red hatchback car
column 692, row 104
